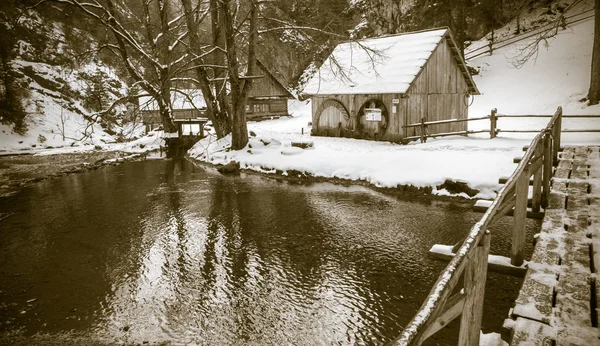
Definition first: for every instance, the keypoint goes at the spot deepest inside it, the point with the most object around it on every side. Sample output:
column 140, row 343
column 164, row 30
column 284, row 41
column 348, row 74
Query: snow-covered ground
column 558, row 77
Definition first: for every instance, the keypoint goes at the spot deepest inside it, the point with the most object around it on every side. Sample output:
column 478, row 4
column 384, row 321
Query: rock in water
column 231, row 167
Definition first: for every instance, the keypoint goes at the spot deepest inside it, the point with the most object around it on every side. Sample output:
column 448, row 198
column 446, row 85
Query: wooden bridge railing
column 471, row 256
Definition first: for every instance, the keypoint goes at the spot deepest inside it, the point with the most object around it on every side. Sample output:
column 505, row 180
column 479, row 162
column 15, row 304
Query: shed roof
column 381, row 65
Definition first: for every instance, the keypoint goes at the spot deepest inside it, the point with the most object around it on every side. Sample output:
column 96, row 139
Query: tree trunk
column 239, row 87
column 594, row 92
column 218, row 117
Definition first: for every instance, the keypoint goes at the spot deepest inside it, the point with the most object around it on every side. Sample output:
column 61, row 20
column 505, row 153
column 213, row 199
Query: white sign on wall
column 395, row 101
column 373, row 114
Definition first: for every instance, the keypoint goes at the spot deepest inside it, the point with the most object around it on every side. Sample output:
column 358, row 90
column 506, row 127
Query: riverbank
column 464, row 167
column 19, row 171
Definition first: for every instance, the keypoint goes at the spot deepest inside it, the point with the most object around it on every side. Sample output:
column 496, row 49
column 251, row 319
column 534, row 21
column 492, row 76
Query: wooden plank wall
column 277, row 107
column 442, row 82
column 353, row 103
column 267, row 85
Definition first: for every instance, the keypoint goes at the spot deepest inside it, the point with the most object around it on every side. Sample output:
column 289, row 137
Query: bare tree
column 151, row 59
column 594, row 92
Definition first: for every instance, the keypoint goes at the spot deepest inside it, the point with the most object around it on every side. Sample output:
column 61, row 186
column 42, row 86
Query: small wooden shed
column 188, row 104
column 268, row 97
column 374, row 87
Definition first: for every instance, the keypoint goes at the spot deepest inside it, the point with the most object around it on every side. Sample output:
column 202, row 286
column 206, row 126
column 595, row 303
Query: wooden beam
column 452, row 309
column 496, row 264
column 530, row 214
column 503, row 180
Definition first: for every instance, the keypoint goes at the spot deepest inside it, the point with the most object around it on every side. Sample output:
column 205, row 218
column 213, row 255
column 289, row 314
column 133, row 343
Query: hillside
column 62, row 86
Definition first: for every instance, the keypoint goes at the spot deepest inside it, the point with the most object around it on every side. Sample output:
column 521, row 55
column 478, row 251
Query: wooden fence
column 494, row 130
column 561, row 22
column 471, row 256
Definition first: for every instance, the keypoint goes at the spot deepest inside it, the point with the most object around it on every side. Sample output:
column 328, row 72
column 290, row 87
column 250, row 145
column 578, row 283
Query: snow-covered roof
column 377, row 65
column 180, row 99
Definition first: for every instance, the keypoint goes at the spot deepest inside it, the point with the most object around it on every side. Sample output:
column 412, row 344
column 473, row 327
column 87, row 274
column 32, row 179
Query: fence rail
column 562, row 21
column 471, row 256
column 424, row 125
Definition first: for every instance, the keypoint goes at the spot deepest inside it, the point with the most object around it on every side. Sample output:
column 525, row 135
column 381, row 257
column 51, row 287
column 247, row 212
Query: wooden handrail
column 471, row 257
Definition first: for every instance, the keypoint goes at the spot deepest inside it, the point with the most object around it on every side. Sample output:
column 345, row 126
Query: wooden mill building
column 374, row 87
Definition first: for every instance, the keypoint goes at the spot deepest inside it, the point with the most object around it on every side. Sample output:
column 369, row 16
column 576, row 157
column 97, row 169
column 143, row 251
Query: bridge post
column 536, row 198
column 520, row 218
column 547, row 169
column 475, row 275
column 557, row 128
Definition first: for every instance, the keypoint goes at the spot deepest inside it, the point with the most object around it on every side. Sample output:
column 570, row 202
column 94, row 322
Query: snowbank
column 479, row 162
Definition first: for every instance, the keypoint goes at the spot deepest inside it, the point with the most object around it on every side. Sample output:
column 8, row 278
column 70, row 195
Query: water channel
column 161, row 250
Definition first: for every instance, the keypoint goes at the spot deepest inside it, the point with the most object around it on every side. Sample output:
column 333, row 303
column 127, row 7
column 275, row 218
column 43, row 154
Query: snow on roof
column 376, row 65
column 179, row 100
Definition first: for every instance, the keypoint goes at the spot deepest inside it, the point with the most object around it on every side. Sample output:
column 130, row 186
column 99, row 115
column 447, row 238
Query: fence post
column 475, row 277
column 547, row 169
column 536, row 198
column 423, row 136
column 493, row 120
column 520, row 218
column 556, row 134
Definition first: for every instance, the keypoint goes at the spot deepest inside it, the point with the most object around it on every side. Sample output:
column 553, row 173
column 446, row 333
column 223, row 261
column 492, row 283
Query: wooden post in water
column 493, row 120
column 536, row 198
column 547, row 169
column 520, row 218
column 556, row 135
column 475, row 277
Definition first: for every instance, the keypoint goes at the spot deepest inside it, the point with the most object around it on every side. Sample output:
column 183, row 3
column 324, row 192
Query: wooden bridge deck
column 560, row 298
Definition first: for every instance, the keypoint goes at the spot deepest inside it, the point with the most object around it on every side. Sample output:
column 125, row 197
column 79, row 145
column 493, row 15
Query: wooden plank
column 506, row 207
column 536, row 295
column 532, row 333
column 475, row 277
column 572, row 305
column 452, row 309
column 577, row 193
column 496, row 264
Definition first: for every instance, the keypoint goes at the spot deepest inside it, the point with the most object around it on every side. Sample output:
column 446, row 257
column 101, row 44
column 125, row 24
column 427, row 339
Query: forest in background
column 150, row 35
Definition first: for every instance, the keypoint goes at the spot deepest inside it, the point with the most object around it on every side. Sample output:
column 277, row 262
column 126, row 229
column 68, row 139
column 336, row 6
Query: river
column 165, row 251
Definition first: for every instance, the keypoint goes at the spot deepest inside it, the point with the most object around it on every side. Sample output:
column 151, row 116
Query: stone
column 303, row 144
column 230, row 168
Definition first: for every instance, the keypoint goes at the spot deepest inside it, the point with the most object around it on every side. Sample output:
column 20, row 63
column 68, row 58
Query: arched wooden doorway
column 372, row 128
column 331, row 118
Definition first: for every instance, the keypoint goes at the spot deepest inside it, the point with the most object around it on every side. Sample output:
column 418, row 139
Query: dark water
column 165, row 251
